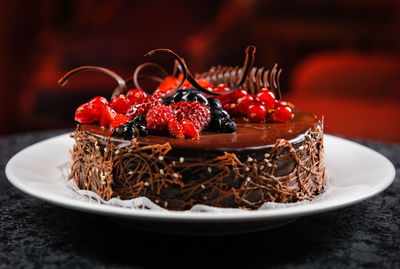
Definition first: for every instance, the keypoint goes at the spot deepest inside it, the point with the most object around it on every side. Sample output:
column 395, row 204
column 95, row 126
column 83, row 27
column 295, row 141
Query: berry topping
column 157, row 119
column 257, row 112
column 268, row 97
column 107, row 115
column 135, row 95
column 168, row 83
column 142, row 107
column 244, row 102
column 130, row 129
column 119, row 119
column 228, row 126
column 214, row 103
column 120, row 104
column 140, row 119
column 196, row 112
column 86, row 114
column 175, row 128
column 97, row 103
column 231, row 108
column 189, row 130
column 282, row 114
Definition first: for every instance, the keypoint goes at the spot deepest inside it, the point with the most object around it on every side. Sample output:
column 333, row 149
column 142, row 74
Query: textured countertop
column 35, row 234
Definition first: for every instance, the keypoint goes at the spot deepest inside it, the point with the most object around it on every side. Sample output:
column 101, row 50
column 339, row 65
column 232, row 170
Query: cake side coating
column 288, row 170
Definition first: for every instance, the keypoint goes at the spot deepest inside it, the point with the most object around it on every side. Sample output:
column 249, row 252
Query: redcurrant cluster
column 263, row 107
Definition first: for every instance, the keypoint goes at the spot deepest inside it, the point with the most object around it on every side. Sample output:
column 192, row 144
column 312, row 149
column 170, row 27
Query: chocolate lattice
column 288, row 172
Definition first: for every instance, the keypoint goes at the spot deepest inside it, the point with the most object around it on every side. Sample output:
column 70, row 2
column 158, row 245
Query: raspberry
column 198, row 113
column 119, row 119
column 189, row 129
column 175, row 128
column 157, row 119
column 144, row 106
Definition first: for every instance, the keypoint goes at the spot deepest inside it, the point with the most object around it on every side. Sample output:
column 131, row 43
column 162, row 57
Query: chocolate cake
column 257, row 161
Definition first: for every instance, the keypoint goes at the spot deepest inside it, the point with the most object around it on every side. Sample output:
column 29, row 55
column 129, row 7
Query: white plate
column 356, row 173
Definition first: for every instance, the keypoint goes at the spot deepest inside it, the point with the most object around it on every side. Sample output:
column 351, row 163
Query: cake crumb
column 161, row 158
column 301, row 147
column 269, row 164
column 181, row 159
column 266, row 155
column 146, row 184
column 249, row 159
column 247, row 169
column 161, row 172
column 165, row 204
column 209, row 170
column 262, row 167
column 156, row 201
column 202, row 186
column 117, row 152
column 176, row 175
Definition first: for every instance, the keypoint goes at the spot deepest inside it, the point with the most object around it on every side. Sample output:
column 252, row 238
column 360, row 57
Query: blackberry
column 219, row 114
column 140, row 129
column 167, row 100
column 228, row 126
column 214, row 103
column 124, row 131
column 138, row 118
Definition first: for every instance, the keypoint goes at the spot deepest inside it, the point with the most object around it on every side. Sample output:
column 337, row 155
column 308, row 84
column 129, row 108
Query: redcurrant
column 256, row 112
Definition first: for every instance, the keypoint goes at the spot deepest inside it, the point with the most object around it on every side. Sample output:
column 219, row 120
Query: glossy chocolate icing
column 250, row 137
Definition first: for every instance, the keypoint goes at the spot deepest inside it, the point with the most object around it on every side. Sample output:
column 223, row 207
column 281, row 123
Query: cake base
column 286, row 171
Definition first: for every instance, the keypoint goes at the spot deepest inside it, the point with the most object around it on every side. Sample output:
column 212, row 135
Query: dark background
column 340, row 58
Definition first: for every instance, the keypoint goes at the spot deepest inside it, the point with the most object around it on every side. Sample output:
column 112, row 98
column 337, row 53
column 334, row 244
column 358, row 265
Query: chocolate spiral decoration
column 257, row 78
column 121, row 82
column 141, row 67
column 180, row 62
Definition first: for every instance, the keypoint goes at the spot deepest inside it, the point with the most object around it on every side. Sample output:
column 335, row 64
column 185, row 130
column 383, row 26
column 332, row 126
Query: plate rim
column 190, row 216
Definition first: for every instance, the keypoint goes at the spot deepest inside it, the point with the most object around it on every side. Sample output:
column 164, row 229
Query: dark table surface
column 35, row 234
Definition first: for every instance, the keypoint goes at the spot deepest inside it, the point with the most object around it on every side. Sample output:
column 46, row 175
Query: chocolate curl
column 141, row 67
column 248, row 64
column 121, row 83
column 180, row 62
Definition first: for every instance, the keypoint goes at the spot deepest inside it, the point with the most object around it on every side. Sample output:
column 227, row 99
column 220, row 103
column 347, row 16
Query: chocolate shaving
column 222, row 181
column 141, row 67
column 121, row 88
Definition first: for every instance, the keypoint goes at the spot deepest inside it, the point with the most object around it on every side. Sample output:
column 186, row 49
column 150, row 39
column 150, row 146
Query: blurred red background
column 340, row 58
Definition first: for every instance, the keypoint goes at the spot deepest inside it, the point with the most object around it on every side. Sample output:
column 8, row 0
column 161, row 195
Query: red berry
column 135, row 95
column 256, row 112
column 119, row 119
column 224, row 98
column 159, row 93
column 186, row 84
column 284, row 103
column 189, row 130
column 231, row 108
column 107, row 115
column 268, row 97
column 169, row 82
column 283, row 114
column 120, row 104
column 205, row 84
column 239, row 93
column 175, row 128
column 157, row 119
column 196, row 112
column 85, row 114
column 98, row 103
column 143, row 106
column 244, row 102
